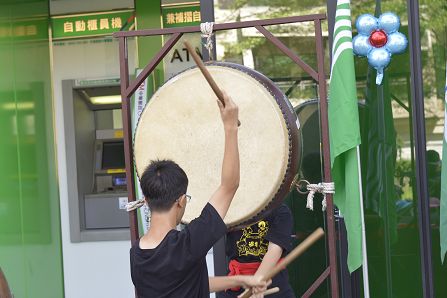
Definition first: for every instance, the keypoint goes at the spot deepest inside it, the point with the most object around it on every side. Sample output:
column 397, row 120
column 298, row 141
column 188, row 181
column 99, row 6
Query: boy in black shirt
column 170, row 263
column 256, row 249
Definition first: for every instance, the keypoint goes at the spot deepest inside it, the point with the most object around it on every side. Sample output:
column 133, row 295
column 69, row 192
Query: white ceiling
column 61, row 7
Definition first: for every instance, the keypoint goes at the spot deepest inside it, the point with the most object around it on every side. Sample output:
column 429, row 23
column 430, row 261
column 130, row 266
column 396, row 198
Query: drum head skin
column 182, row 122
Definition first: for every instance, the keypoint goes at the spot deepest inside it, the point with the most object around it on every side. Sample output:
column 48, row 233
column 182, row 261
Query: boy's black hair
column 162, row 183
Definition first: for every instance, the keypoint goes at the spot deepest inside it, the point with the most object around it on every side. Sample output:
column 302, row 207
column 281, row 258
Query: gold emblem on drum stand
column 252, row 242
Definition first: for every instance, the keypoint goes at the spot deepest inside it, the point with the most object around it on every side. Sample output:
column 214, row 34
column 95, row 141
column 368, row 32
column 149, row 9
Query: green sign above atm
column 181, row 15
column 24, row 30
column 92, row 24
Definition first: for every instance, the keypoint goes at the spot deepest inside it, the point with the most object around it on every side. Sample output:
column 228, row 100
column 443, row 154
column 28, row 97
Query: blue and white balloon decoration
column 378, row 40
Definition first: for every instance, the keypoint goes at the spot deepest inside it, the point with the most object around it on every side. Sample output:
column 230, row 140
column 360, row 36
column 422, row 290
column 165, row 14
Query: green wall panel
column 30, row 240
column 11, row 256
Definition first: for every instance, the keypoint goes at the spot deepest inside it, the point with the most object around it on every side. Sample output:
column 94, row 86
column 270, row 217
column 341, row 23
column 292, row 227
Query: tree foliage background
column 433, row 24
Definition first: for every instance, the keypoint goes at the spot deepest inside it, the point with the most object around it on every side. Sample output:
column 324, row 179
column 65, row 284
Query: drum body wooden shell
column 182, row 122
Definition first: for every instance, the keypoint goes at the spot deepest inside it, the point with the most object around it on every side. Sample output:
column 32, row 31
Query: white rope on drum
column 207, row 32
column 322, row 187
column 135, row 205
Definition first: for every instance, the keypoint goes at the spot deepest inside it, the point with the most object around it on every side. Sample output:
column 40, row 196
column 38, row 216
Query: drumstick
column 268, row 291
column 271, row 291
column 206, row 74
column 296, row 252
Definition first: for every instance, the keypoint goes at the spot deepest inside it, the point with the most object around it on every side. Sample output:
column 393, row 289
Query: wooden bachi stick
column 296, row 252
column 206, row 74
column 271, row 291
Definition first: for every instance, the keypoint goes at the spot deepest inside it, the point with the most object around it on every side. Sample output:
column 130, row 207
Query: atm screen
column 113, row 155
column 119, row 181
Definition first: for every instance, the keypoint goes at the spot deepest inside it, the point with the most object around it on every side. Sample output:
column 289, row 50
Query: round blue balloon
column 389, row 22
column 361, row 45
column 397, row 43
column 379, row 58
column 366, row 23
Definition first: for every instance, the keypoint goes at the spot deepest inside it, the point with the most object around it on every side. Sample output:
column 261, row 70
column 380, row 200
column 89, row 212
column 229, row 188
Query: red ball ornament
column 378, row 38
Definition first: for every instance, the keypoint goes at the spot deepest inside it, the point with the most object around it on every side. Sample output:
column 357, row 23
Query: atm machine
column 105, row 204
column 96, row 176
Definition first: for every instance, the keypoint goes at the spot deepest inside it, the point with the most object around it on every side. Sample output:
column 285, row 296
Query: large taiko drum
column 182, row 122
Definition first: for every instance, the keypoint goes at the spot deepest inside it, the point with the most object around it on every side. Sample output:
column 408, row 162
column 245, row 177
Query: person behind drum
column 256, row 249
column 170, row 263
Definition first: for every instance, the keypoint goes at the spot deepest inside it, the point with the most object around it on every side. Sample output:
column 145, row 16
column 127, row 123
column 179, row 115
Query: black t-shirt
column 251, row 243
column 177, row 266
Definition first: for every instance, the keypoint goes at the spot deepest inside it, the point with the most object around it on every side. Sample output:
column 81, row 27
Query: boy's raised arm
column 230, row 175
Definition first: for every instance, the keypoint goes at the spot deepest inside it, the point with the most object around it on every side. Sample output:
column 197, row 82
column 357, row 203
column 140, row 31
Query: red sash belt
column 237, row 268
